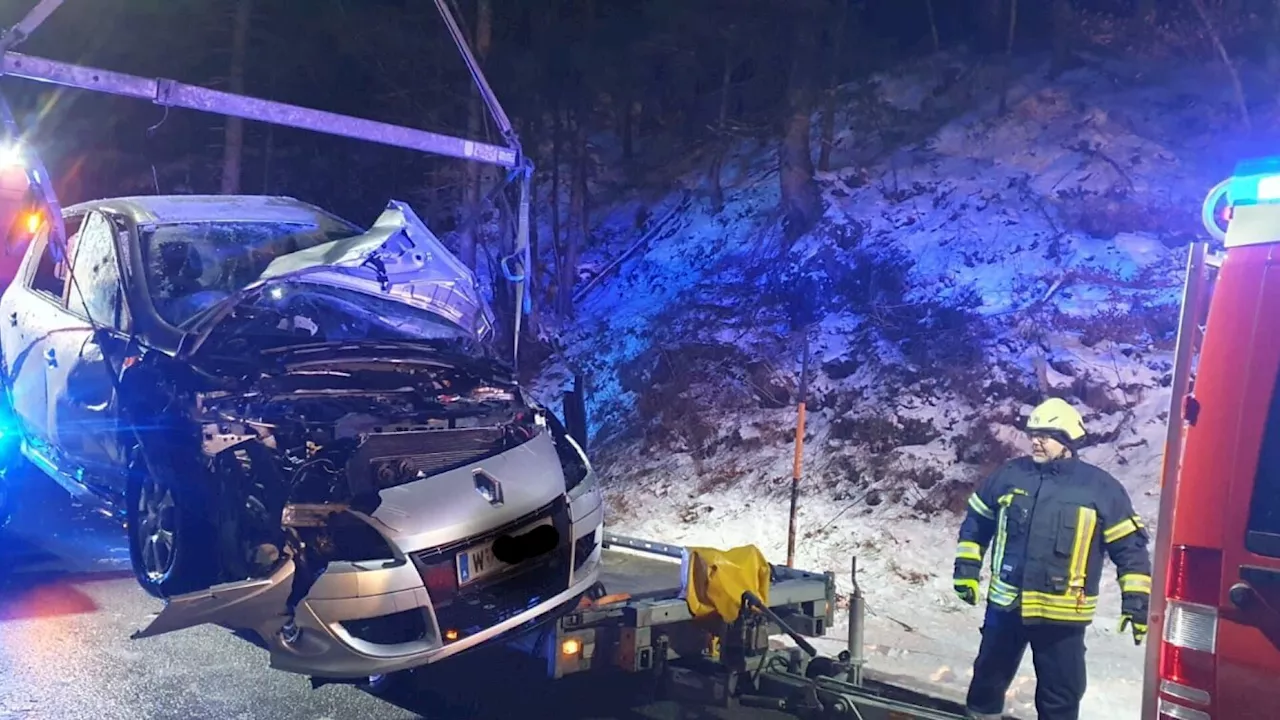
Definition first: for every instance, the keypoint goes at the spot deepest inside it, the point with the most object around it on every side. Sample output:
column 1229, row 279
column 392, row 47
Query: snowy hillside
column 968, row 263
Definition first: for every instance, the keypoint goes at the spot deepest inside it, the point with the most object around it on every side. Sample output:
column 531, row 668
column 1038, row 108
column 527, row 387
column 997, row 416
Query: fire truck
column 1215, row 628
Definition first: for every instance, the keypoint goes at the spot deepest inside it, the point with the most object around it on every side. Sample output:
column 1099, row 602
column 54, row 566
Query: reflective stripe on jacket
column 1047, row 526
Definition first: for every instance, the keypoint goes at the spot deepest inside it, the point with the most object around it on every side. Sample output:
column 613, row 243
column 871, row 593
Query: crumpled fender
column 713, row 581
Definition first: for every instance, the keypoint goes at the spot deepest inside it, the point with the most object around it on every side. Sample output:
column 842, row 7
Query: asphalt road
column 68, row 604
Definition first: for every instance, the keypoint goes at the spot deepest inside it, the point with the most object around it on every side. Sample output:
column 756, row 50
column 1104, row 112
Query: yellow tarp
column 715, row 580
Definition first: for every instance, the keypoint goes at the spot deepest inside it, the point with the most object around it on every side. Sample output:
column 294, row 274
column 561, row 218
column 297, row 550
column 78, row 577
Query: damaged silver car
column 302, row 426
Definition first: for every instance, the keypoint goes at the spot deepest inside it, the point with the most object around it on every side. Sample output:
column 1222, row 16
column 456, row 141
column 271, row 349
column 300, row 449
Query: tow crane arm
column 170, row 93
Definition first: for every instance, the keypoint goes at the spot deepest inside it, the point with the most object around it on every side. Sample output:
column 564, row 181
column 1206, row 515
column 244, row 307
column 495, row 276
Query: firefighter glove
column 1137, row 625
column 967, row 590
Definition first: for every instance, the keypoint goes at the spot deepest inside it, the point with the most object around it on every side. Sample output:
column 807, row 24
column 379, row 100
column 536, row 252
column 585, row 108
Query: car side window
column 49, row 277
column 96, row 293
column 1263, row 533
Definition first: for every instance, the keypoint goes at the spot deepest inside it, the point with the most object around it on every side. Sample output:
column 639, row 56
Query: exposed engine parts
column 301, row 464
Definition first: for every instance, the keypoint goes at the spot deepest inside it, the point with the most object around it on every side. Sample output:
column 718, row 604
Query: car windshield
column 293, row 313
column 190, row 266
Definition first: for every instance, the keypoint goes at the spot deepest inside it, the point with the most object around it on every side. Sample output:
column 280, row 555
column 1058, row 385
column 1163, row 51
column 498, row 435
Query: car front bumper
column 354, row 620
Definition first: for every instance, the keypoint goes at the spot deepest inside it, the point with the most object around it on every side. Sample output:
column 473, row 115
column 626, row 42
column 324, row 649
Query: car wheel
column 168, row 540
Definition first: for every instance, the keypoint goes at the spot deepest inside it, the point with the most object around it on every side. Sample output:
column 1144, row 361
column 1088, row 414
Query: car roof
column 146, row 209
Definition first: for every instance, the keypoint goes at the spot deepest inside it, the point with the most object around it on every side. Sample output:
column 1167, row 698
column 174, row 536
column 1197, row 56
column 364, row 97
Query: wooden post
column 798, row 463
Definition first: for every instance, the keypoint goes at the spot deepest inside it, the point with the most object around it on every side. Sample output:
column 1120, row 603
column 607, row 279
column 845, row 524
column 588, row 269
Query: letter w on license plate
column 478, row 561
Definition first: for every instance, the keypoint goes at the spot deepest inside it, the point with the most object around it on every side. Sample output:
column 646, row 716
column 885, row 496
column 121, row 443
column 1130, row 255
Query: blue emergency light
column 1255, row 182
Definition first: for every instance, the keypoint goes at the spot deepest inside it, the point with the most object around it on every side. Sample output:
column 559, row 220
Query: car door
column 86, row 352
column 1248, row 634
column 30, row 310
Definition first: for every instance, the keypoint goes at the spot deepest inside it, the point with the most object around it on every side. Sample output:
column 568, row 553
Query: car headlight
column 573, row 461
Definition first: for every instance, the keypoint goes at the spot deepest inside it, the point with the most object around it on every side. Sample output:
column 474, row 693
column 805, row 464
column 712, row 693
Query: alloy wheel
column 157, row 514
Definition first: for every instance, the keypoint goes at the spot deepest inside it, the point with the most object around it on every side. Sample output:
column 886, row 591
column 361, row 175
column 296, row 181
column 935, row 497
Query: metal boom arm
column 171, row 93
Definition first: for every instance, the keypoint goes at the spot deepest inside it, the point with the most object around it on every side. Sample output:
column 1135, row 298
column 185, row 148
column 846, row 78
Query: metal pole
column 798, row 463
column 34, row 19
column 857, row 618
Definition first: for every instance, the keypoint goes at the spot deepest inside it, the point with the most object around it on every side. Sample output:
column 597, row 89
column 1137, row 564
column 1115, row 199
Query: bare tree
column 933, row 25
column 834, row 54
column 1062, row 26
column 578, row 227
column 233, row 138
column 722, row 140
column 990, row 17
column 1013, row 27
column 801, row 201
column 1226, row 61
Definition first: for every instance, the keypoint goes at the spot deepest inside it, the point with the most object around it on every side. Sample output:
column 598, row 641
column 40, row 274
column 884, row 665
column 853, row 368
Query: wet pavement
column 68, row 603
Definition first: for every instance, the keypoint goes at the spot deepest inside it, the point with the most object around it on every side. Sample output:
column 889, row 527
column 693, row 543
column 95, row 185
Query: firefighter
column 1047, row 519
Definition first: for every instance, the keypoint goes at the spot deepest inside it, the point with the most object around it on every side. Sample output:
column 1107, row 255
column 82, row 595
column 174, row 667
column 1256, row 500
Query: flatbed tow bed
column 638, row 622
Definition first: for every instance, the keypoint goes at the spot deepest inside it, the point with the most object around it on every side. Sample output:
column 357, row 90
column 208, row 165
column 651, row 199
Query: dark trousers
column 1058, row 653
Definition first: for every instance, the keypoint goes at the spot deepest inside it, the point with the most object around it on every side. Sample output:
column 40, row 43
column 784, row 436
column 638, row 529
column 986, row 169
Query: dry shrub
column 879, row 434
column 617, row 504
column 1157, row 327
column 1105, row 215
column 718, row 477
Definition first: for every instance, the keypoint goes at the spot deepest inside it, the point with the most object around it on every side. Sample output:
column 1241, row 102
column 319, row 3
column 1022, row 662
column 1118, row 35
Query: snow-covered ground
column 967, row 264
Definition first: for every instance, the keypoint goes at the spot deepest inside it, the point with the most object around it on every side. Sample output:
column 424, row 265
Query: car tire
column 170, row 542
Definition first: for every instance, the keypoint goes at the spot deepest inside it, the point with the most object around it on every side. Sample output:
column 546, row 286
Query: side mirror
column 575, row 412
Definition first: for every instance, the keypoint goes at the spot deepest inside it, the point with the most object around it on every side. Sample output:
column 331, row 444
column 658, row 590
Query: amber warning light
column 33, row 221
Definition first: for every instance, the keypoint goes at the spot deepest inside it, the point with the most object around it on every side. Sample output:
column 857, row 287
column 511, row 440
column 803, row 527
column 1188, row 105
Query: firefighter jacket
column 1047, row 526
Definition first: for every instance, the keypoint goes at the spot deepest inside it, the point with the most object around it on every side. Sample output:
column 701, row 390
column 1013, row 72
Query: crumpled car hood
column 398, row 258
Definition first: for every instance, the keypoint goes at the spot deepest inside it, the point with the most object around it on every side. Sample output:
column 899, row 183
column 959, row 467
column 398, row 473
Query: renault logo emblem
column 488, row 487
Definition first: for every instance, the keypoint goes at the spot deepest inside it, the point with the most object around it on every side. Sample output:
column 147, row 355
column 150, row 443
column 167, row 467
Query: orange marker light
column 570, row 647
column 33, row 222
column 450, row 635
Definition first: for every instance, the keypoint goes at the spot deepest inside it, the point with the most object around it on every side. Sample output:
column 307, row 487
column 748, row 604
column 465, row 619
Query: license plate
column 479, row 562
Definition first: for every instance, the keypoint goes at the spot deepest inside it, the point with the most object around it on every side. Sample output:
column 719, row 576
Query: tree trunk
column 576, row 237
column 233, row 140
column 1006, row 70
column 628, row 149
column 721, row 146
column 557, row 236
column 1062, row 27
column 933, row 25
column 991, row 17
column 833, row 80
column 268, row 156
column 1013, row 26
column 801, row 201
column 475, row 125
column 1273, row 42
